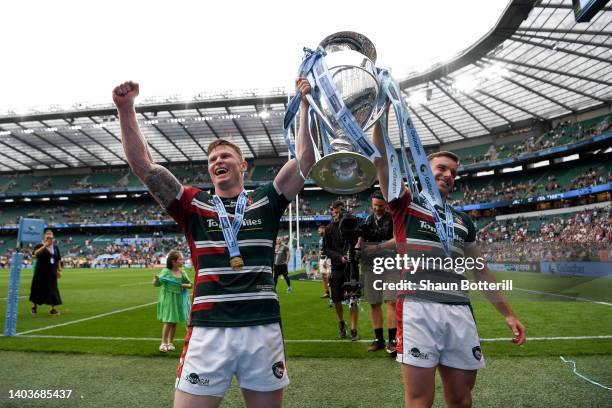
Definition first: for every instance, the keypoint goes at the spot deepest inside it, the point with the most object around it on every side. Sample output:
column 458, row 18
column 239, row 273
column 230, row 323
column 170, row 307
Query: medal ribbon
column 230, row 231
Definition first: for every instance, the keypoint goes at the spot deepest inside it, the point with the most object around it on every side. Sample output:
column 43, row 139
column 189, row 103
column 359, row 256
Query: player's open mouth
column 220, row 171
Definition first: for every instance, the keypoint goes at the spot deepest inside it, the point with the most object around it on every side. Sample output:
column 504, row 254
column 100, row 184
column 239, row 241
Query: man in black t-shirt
column 335, row 248
column 377, row 235
column 282, row 254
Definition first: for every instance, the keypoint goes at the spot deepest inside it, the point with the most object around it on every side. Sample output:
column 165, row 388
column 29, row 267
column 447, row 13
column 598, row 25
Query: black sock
column 378, row 333
column 392, row 334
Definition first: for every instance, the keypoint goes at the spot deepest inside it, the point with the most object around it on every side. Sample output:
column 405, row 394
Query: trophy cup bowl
column 350, row 59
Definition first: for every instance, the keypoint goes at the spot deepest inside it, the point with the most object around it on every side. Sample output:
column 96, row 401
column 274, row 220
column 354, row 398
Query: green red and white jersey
column 224, row 297
column 416, row 235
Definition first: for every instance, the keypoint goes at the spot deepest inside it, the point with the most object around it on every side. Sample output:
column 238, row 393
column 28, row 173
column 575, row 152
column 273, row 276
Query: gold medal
column 236, row 263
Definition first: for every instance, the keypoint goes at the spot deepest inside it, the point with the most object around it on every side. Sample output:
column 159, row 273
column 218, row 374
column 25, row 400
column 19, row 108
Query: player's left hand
column 517, row 329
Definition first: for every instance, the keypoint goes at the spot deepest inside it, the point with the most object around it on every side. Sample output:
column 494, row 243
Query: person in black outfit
column 282, row 254
column 47, row 270
column 377, row 241
column 335, row 248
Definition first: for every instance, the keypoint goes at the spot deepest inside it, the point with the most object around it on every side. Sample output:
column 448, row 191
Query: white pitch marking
column 551, row 338
column 47, row 336
column 138, row 283
column 565, row 296
column 20, row 297
column 86, row 318
column 605, row 337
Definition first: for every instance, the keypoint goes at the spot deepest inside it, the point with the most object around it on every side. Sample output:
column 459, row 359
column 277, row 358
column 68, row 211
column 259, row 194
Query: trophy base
column 344, row 173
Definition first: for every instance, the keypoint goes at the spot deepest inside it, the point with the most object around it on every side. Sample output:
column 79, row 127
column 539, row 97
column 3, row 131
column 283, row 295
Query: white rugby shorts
column 431, row 333
column 213, row 355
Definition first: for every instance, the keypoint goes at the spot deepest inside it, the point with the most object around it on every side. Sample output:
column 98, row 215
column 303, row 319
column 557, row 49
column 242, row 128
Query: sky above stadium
column 61, row 53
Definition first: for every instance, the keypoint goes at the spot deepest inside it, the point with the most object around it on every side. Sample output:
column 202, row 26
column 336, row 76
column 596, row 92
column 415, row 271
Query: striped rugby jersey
column 223, row 297
column 415, row 234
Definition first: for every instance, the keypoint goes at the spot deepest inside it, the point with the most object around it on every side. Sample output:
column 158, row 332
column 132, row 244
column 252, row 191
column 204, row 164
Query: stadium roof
column 535, row 64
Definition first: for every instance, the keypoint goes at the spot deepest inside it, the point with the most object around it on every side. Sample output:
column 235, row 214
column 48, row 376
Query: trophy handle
column 367, row 127
column 375, row 118
column 314, row 106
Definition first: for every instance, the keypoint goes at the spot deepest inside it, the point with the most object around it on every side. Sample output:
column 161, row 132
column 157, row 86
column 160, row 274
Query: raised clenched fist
column 124, row 94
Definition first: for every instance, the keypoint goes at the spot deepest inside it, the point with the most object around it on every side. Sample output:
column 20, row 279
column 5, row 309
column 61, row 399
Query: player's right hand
column 302, row 85
column 517, row 329
column 124, row 94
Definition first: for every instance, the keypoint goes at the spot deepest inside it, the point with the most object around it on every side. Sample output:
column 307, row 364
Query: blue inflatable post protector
column 30, row 230
column 10, row 322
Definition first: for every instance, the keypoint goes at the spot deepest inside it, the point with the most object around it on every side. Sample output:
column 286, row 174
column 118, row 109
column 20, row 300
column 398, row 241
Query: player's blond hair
column 222, row 142
column 444, row 153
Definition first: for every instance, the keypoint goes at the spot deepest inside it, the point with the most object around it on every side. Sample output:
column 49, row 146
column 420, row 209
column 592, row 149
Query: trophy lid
column 350, row 40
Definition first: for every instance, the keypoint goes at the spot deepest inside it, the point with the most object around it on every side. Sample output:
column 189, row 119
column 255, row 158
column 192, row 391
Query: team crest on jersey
column 477, row 353
column 278, row 369
column 459, row 221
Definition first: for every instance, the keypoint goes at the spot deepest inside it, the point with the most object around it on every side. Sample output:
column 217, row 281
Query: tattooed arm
column 162, row 184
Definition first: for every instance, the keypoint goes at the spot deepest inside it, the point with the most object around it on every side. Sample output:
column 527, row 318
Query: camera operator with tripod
column 339, row 245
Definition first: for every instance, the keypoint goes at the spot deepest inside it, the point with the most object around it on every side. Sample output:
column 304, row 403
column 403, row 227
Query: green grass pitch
column 104, row 346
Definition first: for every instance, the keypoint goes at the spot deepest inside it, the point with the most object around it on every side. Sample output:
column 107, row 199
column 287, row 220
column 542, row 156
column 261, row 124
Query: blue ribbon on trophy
column 349, row 95
column 230, row 231
column 429, row 190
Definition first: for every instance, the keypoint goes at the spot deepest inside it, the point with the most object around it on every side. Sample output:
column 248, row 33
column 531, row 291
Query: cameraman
column 335, row 247
column 376, row 236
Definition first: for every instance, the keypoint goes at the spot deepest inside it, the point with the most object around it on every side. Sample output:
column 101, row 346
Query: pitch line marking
column 565, row 296
column 495, row 339
column 86, row 318
column 137, row 283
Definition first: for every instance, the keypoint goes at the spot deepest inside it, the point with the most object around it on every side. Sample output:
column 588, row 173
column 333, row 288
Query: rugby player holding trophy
column 349, row 96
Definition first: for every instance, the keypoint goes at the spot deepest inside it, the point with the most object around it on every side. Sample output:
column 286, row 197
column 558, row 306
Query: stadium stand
column 563, row 133
column 521, row 113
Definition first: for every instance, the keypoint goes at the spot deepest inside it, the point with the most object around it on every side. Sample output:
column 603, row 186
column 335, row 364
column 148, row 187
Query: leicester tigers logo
column 278, row 369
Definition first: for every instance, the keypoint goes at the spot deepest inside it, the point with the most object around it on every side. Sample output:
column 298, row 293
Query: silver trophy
column 350, row 59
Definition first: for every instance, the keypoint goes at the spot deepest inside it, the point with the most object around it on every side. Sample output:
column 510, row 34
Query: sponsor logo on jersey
column 416, row 353
column 427, row 226
column 477, row 353
column 196, row 380
column 278, row 369
column 246, row 222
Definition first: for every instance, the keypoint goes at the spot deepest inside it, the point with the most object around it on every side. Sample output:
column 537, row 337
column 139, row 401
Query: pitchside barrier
column 515, row 267
column 591, row 269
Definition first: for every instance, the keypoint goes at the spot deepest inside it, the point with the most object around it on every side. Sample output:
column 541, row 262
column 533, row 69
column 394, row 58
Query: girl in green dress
column 173, row 303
